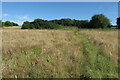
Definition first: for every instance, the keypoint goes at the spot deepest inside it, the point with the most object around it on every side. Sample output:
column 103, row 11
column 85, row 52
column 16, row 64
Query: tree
column 39, row 24
column 0, row 23
column 26, row 25
column 99, row 21
column 14, row 24
column 81, row 23
column 118, row 22
column 64, row 22
column 8, row 23
column 38, row 20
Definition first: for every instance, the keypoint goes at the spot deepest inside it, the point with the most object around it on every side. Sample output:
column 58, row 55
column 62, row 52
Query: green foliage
column 70, row 22
column 118, row 22
column 64, row 22
column 0, row 23
column 8, row 23
column 40, row 24
column 99, row 21
column 14, row 24
column 81, row 23
column 26, row 25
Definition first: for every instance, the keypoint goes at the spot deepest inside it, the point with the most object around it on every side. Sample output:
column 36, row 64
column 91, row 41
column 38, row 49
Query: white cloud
column 4, row 15
column 18, row 22
column 24, row 17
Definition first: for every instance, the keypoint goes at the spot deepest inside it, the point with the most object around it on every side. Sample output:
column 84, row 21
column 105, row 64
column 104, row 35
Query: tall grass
column 97, row 63
column 54, row 54
column 43, row 54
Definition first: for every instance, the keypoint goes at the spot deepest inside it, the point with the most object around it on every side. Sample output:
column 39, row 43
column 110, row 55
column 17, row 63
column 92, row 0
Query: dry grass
column 61, row 47
column 12, row 27
column 57, row 53
column 107, row 40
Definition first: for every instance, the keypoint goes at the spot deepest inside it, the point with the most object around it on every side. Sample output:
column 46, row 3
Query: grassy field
column 59, row 53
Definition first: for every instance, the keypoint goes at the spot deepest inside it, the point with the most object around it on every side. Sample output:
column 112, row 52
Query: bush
column 99, row 21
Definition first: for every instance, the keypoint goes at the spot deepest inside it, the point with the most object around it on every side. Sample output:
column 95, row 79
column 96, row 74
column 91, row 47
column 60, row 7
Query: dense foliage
column 70, row 22
column 81, row 23
column 64, row 22
column 40, row 24
column 118, row 22
column 99, row 21
column 0, row 23
column 8, row 23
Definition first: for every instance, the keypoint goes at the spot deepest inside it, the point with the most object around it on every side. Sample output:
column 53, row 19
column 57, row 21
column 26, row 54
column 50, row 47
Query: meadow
column 65, row 53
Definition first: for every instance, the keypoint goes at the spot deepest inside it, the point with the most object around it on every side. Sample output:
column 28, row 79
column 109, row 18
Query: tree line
column 40, row 24
column 8, row 23
column 97, row 21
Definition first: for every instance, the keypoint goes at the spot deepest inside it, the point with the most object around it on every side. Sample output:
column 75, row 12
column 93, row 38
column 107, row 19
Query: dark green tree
column 81, row 23
column 64, row 22
column 8, row 23
column 118, row 22
column 0, row 23
column 40, row 24
column 14, row 24
column 26, row 25
column 38, row 20
column 99, row 21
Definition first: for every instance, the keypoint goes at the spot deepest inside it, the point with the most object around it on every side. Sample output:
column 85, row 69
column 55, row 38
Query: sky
column 60, row 0
column 28, row 11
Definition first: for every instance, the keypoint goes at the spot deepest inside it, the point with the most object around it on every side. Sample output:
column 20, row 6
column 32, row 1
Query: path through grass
column 96, row 63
